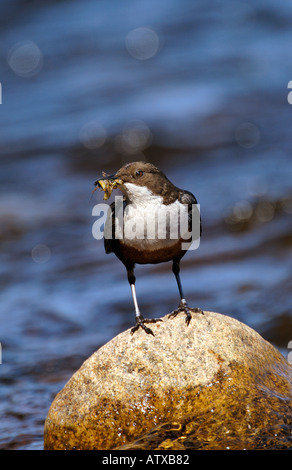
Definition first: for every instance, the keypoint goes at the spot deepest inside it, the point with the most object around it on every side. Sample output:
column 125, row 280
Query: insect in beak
column 107, row 184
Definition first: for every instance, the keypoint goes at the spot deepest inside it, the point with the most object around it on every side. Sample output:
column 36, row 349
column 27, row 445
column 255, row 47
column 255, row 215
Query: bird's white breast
column 148, row 223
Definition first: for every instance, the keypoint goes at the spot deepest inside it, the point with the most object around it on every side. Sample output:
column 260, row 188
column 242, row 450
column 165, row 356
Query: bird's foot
column 183, row 307
column 140, row 323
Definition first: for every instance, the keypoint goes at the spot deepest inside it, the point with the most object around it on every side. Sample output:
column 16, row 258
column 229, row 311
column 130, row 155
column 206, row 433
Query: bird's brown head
column 138, row 175
column 139, row 179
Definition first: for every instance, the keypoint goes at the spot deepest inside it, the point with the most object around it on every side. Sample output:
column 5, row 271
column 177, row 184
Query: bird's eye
column 139, row 173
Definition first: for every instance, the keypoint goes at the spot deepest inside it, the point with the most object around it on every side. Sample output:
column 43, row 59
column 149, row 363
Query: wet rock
column 214, row 384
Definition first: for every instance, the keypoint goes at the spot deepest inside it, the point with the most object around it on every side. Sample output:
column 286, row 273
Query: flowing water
column 198, row 89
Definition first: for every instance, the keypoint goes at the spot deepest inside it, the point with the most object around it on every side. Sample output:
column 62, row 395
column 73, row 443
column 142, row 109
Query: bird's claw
column 140, row 323
column 183, row 307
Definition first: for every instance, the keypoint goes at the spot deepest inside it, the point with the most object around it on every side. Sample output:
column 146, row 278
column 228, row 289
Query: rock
column 214, row 384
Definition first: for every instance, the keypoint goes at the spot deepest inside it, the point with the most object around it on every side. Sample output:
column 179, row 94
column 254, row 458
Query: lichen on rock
column 213, row 384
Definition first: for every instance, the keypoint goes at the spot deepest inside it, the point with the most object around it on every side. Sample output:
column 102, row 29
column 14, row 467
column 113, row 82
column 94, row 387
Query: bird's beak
column 105, row 178
column 107, row 183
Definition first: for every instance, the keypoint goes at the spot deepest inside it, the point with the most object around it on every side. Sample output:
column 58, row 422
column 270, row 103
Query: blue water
column 201, row 92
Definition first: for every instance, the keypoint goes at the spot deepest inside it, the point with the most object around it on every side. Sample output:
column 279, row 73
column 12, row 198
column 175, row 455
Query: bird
column 148, row 195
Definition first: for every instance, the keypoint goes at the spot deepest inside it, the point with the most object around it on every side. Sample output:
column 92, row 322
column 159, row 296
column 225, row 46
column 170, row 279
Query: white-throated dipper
column 152, row 222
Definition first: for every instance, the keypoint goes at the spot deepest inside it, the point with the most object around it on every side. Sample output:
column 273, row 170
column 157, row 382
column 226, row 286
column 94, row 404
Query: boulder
column 213, row 384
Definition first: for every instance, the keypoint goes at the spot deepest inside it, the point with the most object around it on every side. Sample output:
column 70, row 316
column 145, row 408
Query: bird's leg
column 140, row 321
column 183, row 306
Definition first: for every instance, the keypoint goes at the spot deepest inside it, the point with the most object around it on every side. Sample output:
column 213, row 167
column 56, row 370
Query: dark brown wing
column 187, row 197
column 109, row 229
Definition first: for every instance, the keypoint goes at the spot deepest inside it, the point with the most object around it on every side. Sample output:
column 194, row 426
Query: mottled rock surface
column 214, row 384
